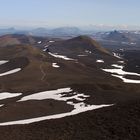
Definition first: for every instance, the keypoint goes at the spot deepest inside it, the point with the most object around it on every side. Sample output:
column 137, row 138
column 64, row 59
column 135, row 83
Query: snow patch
column 133, row 43
column 122, row 50
column 79, row 109
column 87, row 51
column 55, row 65
column 117, row 55
column 119, row 73
column 10, row 72
column 3, row 62
column 81, row 55
column 121, row 62
column 2, row 105
column 60, row 56
column 39, row 42
column 52, row 94
column 6, row 95
column 125, row 80
column 46, row 46
column 46, row 49
column 100, row 61
column 117, row 66
column 51, row 41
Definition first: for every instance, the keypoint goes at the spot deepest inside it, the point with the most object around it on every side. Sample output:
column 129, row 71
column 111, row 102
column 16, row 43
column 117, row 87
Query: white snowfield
column 60, row 56
column 120, row 73
column 55, row 65
column 56, row 95
column 52, row 94
column 79, row 107
column 10, row 72
column 100, row 61
column 6, row 95
column 3, row 62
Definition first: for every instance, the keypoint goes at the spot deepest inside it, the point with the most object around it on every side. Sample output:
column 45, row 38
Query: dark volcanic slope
column 84, row 49
column 78, row 45
column 115, row 123
column 83, row 74
column 38, row 73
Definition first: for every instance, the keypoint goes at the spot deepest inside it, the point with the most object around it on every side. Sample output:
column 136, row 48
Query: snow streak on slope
column 6, row 95
column 117, row 55
column 3, row 62
column 120, row 73
column 100, row 61
column 60, row 56
column 55, row 65
column 80, row 108
column 125, row 80
column 10, row 72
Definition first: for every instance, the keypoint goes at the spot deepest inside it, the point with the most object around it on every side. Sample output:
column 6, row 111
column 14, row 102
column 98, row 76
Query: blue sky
column 69, row 12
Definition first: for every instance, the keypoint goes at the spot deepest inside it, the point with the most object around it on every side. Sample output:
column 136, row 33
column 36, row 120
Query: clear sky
column 69, row 12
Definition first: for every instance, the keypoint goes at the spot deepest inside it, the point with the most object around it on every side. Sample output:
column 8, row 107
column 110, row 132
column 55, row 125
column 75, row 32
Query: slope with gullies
column 37, row 67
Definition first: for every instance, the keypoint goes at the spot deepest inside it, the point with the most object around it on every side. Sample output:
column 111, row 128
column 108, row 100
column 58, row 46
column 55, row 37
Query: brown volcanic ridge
column 88, row 43
column 20, row 39
column 89, row 85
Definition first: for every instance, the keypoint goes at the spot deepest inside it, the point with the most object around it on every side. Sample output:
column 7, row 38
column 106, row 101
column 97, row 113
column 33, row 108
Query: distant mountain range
column 117, row 36
column 63, row 31
column 66, row 32
column 7, row 31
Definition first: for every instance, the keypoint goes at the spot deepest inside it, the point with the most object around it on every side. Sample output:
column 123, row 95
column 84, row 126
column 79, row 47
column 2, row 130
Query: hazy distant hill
column 7, row 31
column 66, row 30
column 117, row 36
column 55, row 32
